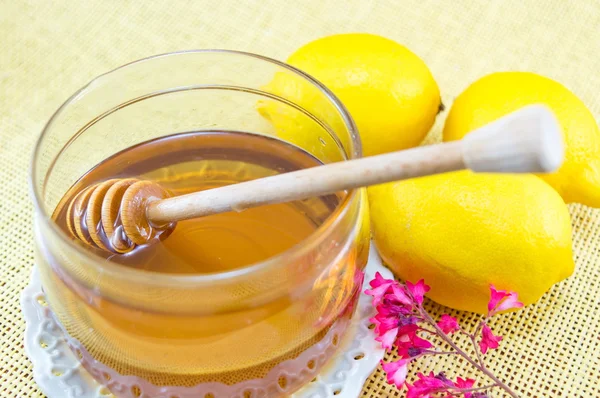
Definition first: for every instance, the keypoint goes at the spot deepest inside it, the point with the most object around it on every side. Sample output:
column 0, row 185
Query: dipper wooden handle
column 527, row 140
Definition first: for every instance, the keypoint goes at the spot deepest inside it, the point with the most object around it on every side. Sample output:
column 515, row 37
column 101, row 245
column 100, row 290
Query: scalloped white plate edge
column 342, row 375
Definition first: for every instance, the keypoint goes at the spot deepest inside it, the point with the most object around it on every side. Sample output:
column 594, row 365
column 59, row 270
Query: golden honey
column 260, row 297
column 231, row 347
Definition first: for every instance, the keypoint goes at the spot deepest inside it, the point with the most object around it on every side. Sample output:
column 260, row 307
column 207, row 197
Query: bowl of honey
column 246, row 303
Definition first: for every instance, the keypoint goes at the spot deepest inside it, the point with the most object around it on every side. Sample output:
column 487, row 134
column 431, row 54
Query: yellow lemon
column 388, row 90
column 578, row 179
column 462, row 232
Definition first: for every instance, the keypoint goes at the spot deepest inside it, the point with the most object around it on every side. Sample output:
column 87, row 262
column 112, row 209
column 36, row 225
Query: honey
column 199, row 341
column 196, row 161
column 252, row 303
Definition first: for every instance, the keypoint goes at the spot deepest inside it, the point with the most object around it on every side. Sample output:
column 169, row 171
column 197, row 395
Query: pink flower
column 425, row 385
column 419, row 342
column 387, row 335
column 409, row 343
column 396, row 371
column 495, row 297
column 387, row 339
column 399, row 296
column 384, row 323
column 391, row 309
column 512, row 301
column 448, row 324
column 488, row 340
column 417, row 290
column 380, row 280
column 391, row 321
column 379, row 286
column 399, row 318
column 408, row 330
column 465, row 385
column 394, row 310
column 501, row 300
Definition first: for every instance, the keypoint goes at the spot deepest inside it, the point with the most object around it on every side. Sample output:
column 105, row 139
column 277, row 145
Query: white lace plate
column 60, row 374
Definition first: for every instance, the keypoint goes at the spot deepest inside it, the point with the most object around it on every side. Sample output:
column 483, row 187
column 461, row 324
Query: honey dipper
column 129, row 212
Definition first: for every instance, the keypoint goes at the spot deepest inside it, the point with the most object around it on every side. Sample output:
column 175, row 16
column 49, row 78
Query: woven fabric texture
column 50, row 49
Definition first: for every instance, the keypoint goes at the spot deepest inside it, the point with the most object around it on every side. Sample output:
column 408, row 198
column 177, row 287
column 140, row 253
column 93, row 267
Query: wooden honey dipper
column 129, row 212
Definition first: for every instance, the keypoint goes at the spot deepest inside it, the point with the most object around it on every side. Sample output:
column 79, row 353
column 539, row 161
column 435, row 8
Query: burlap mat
column 50, row 49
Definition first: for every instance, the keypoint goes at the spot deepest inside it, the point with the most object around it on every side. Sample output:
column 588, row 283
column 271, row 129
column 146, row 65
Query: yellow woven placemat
column 50, row 49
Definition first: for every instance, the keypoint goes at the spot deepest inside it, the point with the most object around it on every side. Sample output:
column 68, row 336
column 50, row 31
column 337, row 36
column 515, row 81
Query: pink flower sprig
column 402, row 323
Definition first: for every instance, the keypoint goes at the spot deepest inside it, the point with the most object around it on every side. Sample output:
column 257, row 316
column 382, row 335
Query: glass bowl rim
column 113, row 269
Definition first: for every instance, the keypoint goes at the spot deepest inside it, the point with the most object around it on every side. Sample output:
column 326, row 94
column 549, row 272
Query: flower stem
column 483, row 388
column 472, row 338
column 461, row 391
column 476, row 348
column 442, row 352
column 463, row 354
